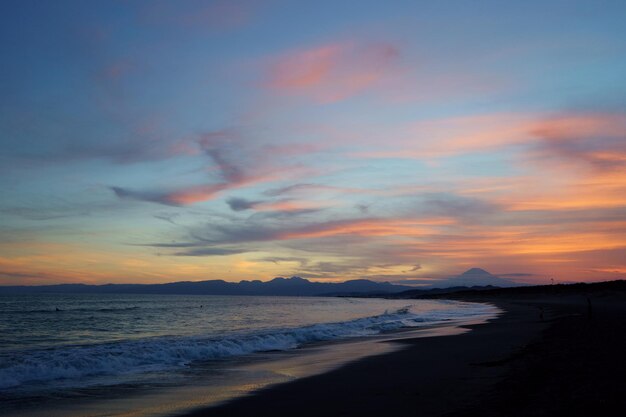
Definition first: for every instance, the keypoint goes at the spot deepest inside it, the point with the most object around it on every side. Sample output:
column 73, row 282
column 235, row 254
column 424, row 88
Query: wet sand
column 545, row 356
column 218, row 382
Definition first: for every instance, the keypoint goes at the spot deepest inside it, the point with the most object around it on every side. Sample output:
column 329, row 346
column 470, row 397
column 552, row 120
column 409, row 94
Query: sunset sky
column 402, row 141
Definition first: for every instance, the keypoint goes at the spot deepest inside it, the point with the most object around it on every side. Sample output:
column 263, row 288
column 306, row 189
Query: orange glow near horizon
column 255, row 140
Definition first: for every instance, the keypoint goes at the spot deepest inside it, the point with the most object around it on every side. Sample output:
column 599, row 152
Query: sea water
column 58, row 344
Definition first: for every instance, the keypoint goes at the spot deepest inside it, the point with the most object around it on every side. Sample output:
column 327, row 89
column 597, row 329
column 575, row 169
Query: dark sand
column 567, row 364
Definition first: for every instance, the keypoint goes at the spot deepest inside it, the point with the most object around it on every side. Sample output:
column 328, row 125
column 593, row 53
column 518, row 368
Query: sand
column 545, row 356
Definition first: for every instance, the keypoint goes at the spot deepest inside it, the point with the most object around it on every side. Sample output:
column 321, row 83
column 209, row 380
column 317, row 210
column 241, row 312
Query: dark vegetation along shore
column 555, row 351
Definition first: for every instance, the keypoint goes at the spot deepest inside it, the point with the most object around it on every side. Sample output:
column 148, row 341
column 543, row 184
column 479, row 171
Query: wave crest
column 156, row 354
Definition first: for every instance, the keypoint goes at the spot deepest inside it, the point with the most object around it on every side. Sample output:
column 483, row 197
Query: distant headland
column 294, row 286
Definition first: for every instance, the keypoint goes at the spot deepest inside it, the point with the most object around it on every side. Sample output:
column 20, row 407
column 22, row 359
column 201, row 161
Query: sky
column 401, row 141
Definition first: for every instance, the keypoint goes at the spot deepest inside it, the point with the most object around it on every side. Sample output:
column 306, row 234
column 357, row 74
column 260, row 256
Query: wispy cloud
column 232, row 163
column 167, row 217
column 302, row 262
column 598, row 139
column 179, row 197
column 366, row 227
column 308, row 188
column 47, row 213
column 332, row 72
column 396, row 146
column 240, row 204
column 281, row 206
column 210, row 252
column 450, row 136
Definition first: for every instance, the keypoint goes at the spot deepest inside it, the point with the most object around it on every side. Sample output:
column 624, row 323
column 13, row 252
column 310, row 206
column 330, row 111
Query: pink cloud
column 599, row 139
column 451, row 136
column 365, row 228
column 331, row 72
column 193, row 194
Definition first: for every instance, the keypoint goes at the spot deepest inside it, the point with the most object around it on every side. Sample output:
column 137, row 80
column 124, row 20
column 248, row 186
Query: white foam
column 75, row 363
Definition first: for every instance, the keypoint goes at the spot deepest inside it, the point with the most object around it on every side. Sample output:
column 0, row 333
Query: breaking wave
column 75, row 363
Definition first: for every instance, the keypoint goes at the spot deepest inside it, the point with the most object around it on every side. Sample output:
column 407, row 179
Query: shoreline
column 512, row 365
column 390, row 382
column 542, row 355
column 221, row 382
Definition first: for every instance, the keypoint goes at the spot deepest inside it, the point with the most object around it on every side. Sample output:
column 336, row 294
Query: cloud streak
column 598, row 139
column 351, row 148
column 332, row 72
column 233, row 163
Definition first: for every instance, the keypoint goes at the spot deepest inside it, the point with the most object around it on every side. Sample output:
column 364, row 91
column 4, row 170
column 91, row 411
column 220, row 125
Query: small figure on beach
column 541, row 313
column 589, row 309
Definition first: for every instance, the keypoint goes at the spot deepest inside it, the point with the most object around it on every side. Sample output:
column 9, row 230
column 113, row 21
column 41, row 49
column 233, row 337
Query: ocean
column 57, row 345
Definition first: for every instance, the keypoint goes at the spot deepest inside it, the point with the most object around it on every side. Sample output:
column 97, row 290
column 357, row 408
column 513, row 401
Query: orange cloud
column 288, row 205
column 558, row 186
column 598, row 139
column 453, row 136
column 194, row 194
column 582, row 125
column 368, row 227
column 564, row 250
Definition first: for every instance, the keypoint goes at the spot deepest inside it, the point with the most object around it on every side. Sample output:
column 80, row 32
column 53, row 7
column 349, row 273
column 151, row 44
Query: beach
column 312, row 208
column 530, row 351
column 163, row 355
column 546, row 355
